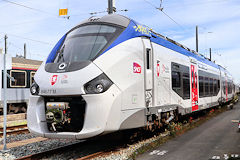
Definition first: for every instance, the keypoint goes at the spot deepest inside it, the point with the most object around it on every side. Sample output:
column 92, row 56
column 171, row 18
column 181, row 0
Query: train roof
column 142, row 30
column 22, row 63
column 135, row 29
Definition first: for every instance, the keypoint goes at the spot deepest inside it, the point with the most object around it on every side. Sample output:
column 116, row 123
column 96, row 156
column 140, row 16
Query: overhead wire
column 161, row 9
column 31, row 8
column 25, row 22
column 30, row 39
column 10, row 44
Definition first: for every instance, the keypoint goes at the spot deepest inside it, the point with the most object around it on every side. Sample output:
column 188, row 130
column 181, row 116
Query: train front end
column 73, row 96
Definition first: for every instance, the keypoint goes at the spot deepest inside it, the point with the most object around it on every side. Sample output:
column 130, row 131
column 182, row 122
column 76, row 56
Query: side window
column 186, row 85
column 176, row 80
column 201, row 86
column 20, row 78
column 211, row 86
column 215, row 89
column 229, row 87
column 32, row 78
column 206, row 84
column 181, row 80
column 218, row 85
column 224, row 86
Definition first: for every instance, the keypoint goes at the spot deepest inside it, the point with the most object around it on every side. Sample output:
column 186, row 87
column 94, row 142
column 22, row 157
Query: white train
column 111, row 73
column 21, row 71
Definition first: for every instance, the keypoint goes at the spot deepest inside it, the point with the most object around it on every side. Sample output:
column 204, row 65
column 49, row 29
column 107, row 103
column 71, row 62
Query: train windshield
column 85, row 43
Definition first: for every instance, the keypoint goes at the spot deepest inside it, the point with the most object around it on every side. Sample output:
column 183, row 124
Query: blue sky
column 218, row 21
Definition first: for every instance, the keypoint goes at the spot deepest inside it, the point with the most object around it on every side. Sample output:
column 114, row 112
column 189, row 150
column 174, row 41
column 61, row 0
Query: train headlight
column 98, row 85
column 34, row 89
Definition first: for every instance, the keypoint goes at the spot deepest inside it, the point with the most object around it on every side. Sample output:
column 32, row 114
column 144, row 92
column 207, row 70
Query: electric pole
column 111, row 6
column 25, row 51
column 4, row 96
column 210, row 52
column 196, row 38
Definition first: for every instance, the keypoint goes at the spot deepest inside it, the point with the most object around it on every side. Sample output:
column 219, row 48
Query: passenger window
column 186, row 86
column 19, row 77
column 32, row 78
column 224, row 86
column 201, row 86
column 206, row 84
column 211, row 86
column 176, row 81
column 181, row 80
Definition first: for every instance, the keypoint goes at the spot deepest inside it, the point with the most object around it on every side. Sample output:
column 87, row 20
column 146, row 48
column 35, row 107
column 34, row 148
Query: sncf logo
column 136, row 68
column 54, row 79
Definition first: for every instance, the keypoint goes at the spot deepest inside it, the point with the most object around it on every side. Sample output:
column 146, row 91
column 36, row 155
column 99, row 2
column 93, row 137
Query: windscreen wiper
column 60, row 54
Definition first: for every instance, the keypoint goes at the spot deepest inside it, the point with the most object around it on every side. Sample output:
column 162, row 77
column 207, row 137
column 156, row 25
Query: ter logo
column 136, row 68
column 54, row 79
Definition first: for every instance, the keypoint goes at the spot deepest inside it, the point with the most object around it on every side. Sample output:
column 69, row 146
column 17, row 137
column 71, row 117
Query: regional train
column 112, row 73
column 20, row 77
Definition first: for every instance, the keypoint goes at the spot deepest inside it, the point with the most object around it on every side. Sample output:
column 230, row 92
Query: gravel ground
column 125, row 153
column 33, row 148
column 19, row 137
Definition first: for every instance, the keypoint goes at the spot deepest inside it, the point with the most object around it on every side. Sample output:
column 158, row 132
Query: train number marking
column 137, row 68
column 158, row 153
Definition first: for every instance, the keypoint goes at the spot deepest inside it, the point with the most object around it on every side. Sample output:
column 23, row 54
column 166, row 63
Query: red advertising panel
column 194, row 87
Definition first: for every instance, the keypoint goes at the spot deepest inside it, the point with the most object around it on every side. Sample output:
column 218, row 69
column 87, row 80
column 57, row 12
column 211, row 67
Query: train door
column 148, row 74
column 194, row 86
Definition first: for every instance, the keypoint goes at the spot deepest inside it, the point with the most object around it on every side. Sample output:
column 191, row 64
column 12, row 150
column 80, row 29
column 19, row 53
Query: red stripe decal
column 194, row 86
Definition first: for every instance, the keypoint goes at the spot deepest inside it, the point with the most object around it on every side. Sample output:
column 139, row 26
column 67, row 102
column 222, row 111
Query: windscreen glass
column 86, row 42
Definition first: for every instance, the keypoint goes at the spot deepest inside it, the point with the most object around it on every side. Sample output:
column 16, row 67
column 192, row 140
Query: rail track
column 91, row 148
column 16, row 124
column 48, row 153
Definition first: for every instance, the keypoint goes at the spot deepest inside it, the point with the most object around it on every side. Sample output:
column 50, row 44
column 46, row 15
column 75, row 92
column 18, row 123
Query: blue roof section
column 53, row 53
column 135, row 29
column 170, row 45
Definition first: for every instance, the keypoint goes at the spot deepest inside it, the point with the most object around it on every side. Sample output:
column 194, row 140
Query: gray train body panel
column 136, row 67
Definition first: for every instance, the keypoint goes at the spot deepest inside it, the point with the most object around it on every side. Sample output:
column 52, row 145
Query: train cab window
column 32, row 78
column 20, row 78
column 201, row 86
column 206, row 84
column 86, row 42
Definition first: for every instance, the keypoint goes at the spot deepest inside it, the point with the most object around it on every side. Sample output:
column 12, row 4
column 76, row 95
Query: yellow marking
column 141, row 29
column 63, row 12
